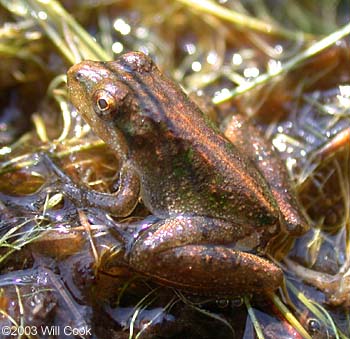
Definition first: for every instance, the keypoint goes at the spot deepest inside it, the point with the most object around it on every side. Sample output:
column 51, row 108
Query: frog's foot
column 335, row 287
column 191, row 255
column 120, row 203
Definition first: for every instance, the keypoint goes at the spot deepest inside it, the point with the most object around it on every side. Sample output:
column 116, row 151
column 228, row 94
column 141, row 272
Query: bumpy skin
column 213, row 204
column 249, row 140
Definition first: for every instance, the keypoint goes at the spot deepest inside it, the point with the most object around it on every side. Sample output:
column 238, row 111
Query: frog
column 214, row 212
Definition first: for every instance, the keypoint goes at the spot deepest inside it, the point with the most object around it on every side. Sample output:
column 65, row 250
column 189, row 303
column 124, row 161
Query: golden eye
column 104, row 104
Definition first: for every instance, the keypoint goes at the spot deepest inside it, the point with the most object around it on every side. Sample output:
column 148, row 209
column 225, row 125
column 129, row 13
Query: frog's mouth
column 82, row 81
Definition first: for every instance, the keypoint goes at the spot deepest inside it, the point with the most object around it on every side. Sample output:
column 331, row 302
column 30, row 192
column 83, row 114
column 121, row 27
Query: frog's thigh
column 196, row 253
column 213, row 270
column 184, row 230
column 250, row 141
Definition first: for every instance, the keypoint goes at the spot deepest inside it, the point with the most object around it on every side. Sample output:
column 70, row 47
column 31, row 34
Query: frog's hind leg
column 215, row 270
column 251, row 142
column 186, row 253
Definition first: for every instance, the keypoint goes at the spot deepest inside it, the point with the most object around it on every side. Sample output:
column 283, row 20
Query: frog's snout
column 72, row 73
column 78, row 74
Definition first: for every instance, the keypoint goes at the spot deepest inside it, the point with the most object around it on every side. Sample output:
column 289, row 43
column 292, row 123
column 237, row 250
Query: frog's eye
column 105, row 104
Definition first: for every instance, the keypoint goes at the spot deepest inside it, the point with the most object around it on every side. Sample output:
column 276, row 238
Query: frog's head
column 117, row 96
column 99, row 98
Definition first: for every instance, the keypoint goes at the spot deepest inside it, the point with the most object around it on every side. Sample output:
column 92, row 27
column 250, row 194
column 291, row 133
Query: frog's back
column 226, row 183
column 185, row 164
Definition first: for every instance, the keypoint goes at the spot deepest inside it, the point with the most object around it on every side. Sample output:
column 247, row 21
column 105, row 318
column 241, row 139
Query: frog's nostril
column 79, row 76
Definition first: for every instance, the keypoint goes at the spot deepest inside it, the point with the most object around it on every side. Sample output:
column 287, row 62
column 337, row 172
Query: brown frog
column 216, row 209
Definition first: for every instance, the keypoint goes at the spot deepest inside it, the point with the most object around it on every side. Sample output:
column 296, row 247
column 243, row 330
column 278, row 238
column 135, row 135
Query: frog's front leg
column 206, row 256
column 121, row 203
